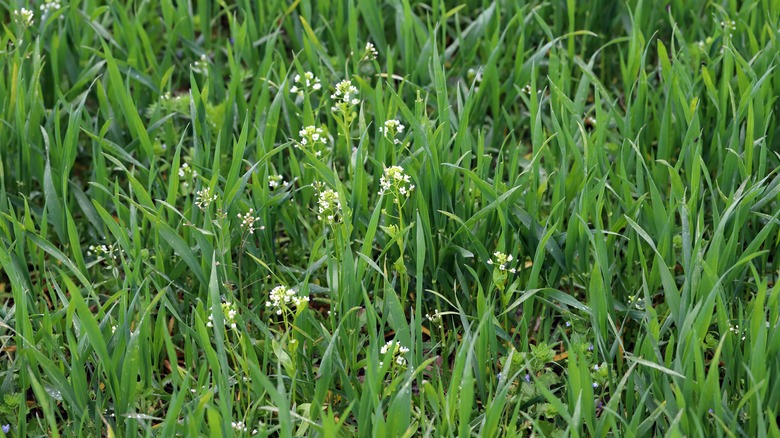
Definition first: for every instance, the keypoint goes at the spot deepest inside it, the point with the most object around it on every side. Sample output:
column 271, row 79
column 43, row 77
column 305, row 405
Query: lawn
column 390, row 218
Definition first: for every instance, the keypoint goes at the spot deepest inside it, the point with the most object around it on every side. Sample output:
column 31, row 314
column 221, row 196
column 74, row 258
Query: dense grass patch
column 390, row 218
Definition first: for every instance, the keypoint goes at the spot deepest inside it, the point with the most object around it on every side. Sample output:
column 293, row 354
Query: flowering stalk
column 344, row 102
column 502, row 267
column 285, row 302
column 248, row 226
column 397, row 185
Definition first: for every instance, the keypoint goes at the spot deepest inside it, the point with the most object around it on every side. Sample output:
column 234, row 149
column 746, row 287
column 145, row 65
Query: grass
column 580, row 239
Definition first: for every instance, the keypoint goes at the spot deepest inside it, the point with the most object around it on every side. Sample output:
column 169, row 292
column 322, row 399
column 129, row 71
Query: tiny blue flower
column 568, row 324
column 527, row 377
column 595, row 385
column 590, row 347
column 711, row 411
column 596, row 367
column 7, row 427
column 500, row 376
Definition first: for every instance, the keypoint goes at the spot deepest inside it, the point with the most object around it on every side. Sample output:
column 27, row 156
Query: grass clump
column 391, row 218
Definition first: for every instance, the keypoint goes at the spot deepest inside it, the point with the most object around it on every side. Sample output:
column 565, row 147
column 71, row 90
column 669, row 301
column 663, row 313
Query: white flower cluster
column 729, row 26
column 230, row 311
column 639, row 303
column 248, row 221
column 345, row 98
column 398, row 352
column 204, row 197
column 50, row 5
column 202, row 64
column 502, row 260
column 109, row 253
column 329, row 205
column 185, row 170
column 311, row 137
column 239, row 426
column 392, row 128
column 370, row 53
column 24, row 16
column 735, row 329
column 275, row 181
column 395, row 180
column 307, row 83
column 435, row 318
column 281, row 298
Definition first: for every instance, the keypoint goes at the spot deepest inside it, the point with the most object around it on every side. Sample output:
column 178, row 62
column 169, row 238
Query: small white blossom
column 108, row 254
column 735, row 329
column 24, row 16
column 230, row 311
column 239, row 426
column 435, row 318
column 370, row 52
column 50, row 5
column 328, row 205
column 202, row 64
column 204, row 197
column 312, row 138
column 282, row 299
column 395, row 181
column 729, row 26
column 392, row 128
column 345, row 98
column 248, row 221
column 502, row 261
column 275, row 181
column 304, row 84
column 185, row 171
column 397, row 352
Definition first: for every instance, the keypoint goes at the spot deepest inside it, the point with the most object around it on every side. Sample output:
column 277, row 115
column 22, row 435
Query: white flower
column 204, row 197
column 345, row 97
column 735, row 329
column 282, row 299
column 50, row 5
column 502, row 260
column 275, row 181
column 239, row 426
column 313, row 138
column 185, row 170
column 308, row 82
column 392, row 128
column 202, row 64
column 24, row 16
column 229, row 311
column 395, row 181
column 248, row 221
column 109, row 254
column 328, row 205
column 435, row 318
column 397, row 352
column 370, row 52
